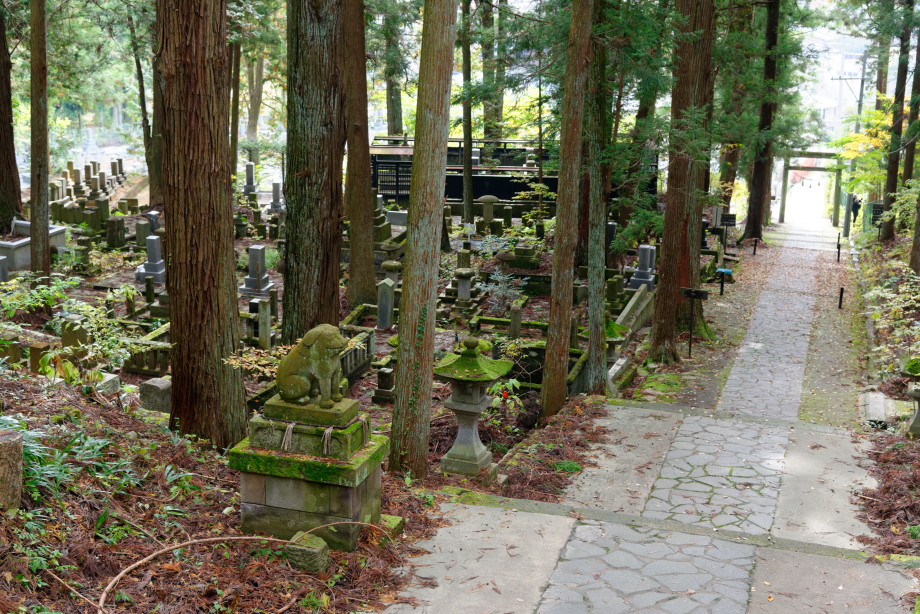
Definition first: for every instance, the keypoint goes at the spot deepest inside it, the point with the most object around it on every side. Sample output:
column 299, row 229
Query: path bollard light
column 840, row 302
column 755, row 247
column 470, row 374
column 724, row 272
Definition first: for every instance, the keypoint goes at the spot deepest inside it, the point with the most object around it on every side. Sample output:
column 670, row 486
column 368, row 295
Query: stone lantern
column 470, row 374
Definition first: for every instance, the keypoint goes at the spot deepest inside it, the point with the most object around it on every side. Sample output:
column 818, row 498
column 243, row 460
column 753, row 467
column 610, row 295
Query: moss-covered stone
column 340, row 414
column 471, row 366
column 328, row 471
column 310, row 553
column 393, row 524
column 308, row 439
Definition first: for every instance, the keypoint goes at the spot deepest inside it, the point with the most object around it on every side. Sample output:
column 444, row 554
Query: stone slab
column 628, row 464
column 810, row 583
column 814, row 502
column 339, row 415
column 489, row 560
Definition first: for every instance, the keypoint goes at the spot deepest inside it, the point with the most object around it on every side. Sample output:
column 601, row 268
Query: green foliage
column 23, row 294
column 503, row 289
column 566, row 466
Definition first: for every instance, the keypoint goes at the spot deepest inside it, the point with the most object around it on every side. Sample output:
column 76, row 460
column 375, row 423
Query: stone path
column 721, row 473
column 736, row 508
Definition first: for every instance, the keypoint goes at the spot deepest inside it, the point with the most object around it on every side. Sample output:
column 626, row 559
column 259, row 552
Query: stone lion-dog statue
column 313, row 370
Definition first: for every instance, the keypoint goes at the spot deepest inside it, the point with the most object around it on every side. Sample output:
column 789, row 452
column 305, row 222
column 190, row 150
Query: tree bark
column 40, row 249
column 141, row 88
column 597, row 128
column 10, row 190
column 235, row 107
column 359, row 197
column 498, row 102
column 490, row 122
column 208, row 398
column 415, row 355
column 392, row 73
column 467, row 112
column 313, row 183
column 884, row 55
column 10, row 470
column 685, row 170
column 913, row 129
column 763, row 162
column 555, row 370
column 255, row 74
column 897, row 123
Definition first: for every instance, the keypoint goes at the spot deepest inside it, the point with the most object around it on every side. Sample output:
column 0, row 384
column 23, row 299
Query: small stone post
column 515, row 316
column 386, row 290
column 265, row 324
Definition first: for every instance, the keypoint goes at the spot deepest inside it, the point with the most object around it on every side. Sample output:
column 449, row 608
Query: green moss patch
column 305, row 467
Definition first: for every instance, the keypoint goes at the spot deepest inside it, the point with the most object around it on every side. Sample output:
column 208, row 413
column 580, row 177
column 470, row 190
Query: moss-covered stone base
column 284, row 523
column 326, row 470
column 344, row 443
column 310, row 553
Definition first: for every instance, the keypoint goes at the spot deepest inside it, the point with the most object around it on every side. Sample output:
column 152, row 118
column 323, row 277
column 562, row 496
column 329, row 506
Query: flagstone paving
column 615, row 568
column 720, row 473
column 747, row 510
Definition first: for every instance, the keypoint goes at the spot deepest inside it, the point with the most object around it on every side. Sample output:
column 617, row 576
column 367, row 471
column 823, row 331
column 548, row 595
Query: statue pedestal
column 305, row 466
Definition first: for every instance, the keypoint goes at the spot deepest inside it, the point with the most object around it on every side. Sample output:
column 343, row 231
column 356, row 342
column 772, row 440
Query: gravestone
column 250, row 187
column 141, row 232
column 4, row 269
column 240, row 226
column 464, row 288
column 488, row 207
column 154, row 267
column 115, row 232
column 515, row 316
column 156, row 395
column 463, row 259
column 276, row 197
column 507, row 213
column 540, row 229
column 311, row 461
column 392, row 269
column 616, row 296
column 386, row 300
column 644, row 271
column 36, row 352
column 153, row 218
column 114, row 167
column 386, row 386
column 265, row 324
column 257, row 283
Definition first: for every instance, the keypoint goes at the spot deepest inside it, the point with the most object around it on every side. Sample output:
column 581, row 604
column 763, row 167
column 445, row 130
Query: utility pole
column 859, row 108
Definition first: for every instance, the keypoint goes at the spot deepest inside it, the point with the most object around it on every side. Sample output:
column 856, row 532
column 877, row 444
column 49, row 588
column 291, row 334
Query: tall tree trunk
column 392, row 72
column 685, row 170
column 415, row 355
column 490, row 128
column 313, row 183
column 359, row 197
column 884, row 55
column 467, row 112
column 597, row 129
column 555, row 370
column 897, row 123
column 235, row 107
column 141, row 89
column 913, row 130
column 10, row 191
column 501, row 61
column 208, row 398
column 255, row 74
column 763, row 162
column 40, row 249
column 154, row 153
